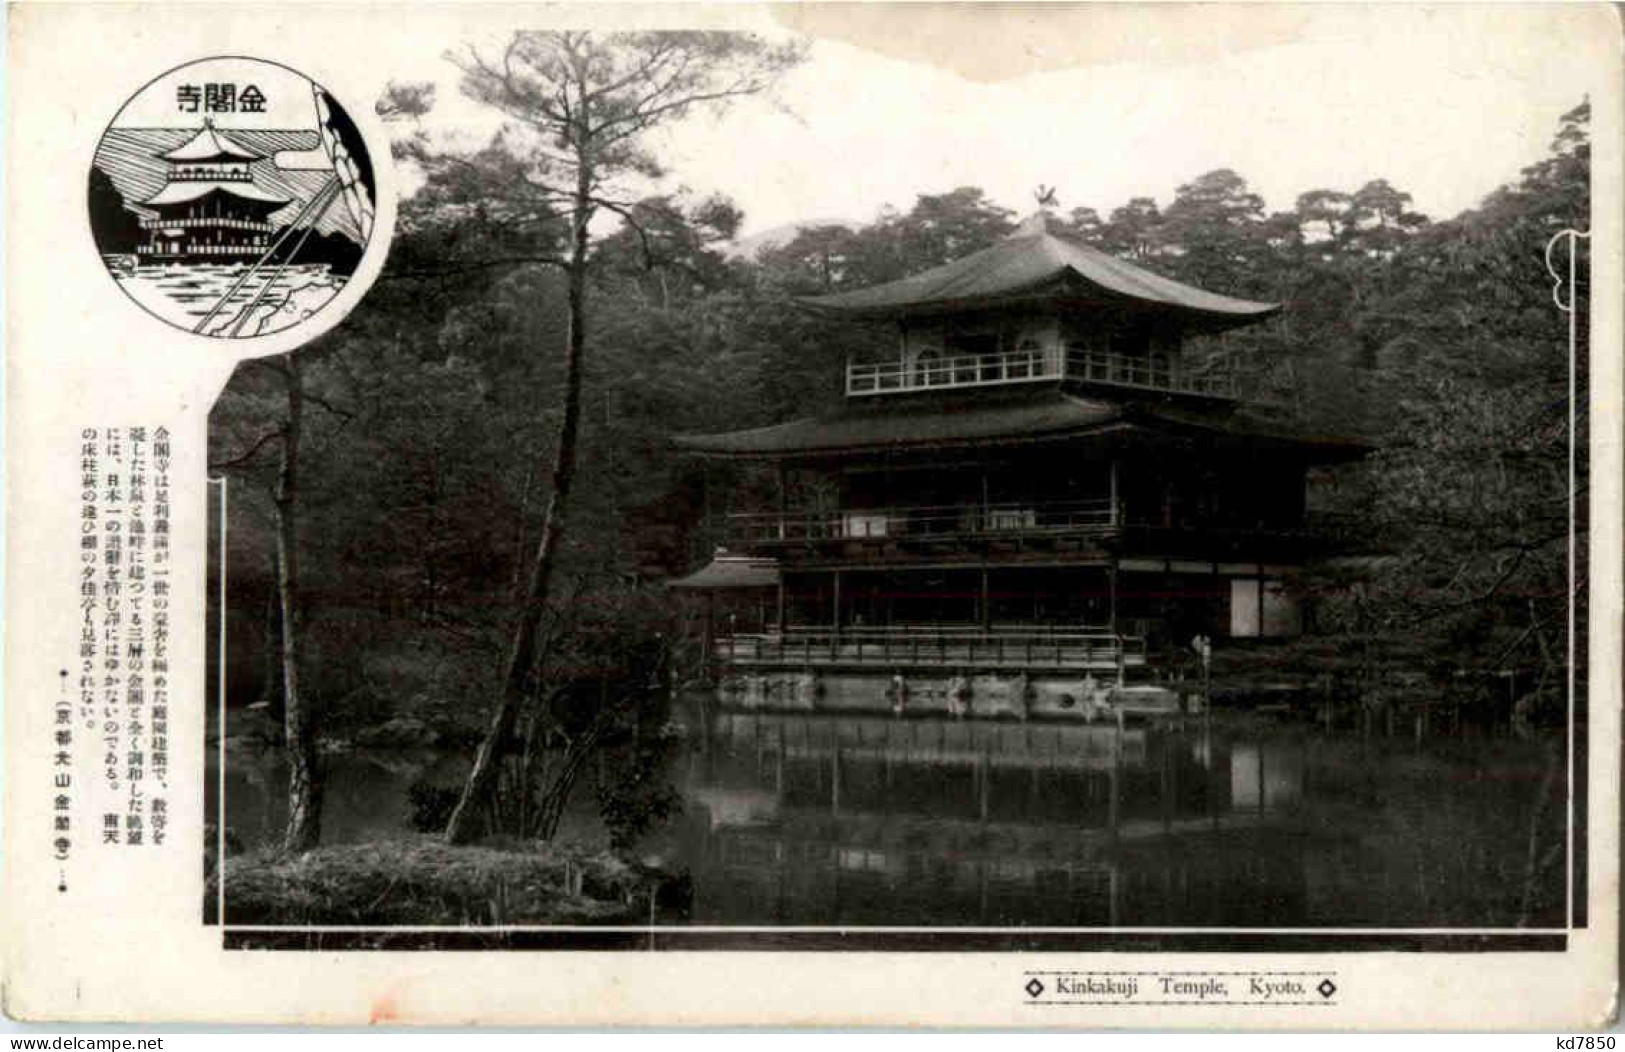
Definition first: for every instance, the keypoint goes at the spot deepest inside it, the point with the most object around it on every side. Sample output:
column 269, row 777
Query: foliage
column 430, row 806
column 581, row 108
column 430, row 418
column 1469, row 491
column 639, row 796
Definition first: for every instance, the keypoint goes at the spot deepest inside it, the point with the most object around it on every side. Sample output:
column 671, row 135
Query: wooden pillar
column 987, row 607
column 1111, row 596
column 1218, row 781
column 707, row 512
column 835, row 606
column 1115, row 782
column 778, row 768
column 984, row 789
column 1262, row 790
column 1165, row 787
column 710, row 628
column 1112, row 487
column 784, row 497
column 780, row 617
column 835, row 775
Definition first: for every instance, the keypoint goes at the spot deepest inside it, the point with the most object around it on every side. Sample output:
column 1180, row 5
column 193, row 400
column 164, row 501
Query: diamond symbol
column 1034, row 987
column 1327, row 988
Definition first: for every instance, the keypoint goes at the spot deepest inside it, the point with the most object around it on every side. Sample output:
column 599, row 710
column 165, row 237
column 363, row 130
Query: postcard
column 1000, row 515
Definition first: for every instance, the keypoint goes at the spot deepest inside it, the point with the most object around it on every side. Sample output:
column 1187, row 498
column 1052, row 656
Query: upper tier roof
column 210, row 145
column 1035, row 261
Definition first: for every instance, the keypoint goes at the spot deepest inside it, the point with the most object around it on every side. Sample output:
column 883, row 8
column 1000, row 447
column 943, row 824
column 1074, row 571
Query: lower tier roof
column 732, row 571
column 979, row 420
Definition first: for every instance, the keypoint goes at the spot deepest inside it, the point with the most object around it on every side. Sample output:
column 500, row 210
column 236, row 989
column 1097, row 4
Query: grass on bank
column 422, row 881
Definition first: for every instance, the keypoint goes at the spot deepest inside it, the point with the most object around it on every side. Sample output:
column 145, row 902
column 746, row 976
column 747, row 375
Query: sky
column 1447, row 103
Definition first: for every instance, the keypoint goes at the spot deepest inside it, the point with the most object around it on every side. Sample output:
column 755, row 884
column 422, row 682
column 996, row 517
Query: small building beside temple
column 1050, row 482
column 209, row 208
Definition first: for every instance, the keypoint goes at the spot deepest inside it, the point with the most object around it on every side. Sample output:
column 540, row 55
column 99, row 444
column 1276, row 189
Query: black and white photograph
column 1084, row 515
column 1045, row 508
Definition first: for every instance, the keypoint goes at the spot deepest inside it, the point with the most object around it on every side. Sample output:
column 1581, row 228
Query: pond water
column 1225, row 821
column 183, row 294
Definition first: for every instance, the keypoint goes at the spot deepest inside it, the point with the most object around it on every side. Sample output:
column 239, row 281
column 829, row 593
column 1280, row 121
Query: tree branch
column 425, row 273
column 242, row 459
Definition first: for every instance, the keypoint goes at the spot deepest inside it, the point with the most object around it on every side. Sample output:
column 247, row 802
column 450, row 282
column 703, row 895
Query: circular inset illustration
column 234, row 198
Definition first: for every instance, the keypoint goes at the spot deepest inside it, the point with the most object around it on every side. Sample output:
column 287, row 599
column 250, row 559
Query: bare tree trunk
column 482, row 778
column 271, row 693
column 522, row 543
column 299, row 724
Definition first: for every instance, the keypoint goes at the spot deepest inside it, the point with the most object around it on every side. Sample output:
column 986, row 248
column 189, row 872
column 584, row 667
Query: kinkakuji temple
column 1013, row 514
column 209, row 209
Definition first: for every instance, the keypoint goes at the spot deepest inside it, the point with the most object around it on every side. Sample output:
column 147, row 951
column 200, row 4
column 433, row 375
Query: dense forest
column 425, row 429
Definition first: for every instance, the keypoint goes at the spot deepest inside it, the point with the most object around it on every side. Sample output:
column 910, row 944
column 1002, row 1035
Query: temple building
column 1052, row 480
column 209, row 209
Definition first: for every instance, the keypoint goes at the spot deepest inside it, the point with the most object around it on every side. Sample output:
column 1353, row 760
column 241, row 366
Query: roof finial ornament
column 1046, row 196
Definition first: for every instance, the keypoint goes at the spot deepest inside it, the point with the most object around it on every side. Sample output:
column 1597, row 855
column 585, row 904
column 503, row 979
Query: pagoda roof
column 922, row 424
column 732, row 571
column 182, row 191
column 1035, row 262
column 210, row 144
column 1051, row 415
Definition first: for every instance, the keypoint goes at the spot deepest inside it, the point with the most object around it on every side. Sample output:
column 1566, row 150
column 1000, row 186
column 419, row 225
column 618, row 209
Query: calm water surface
column 183, row 294
column 1233, row 821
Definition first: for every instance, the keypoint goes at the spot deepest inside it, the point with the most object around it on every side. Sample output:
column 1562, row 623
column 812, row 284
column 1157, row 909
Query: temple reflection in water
column 1222, row 820
column 831, row 821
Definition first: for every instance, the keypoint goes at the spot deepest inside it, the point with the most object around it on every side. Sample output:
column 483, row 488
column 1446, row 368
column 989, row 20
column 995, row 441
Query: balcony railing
column 200, row 250
column 1153, row 373
column 1150, row 373
column 936, row 646
column 206, row 223
column 210, row 174
column 948, row 520
column 966, row 370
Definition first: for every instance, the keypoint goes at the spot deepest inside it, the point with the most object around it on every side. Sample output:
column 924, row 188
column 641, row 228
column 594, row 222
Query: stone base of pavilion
column 1062, row 696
